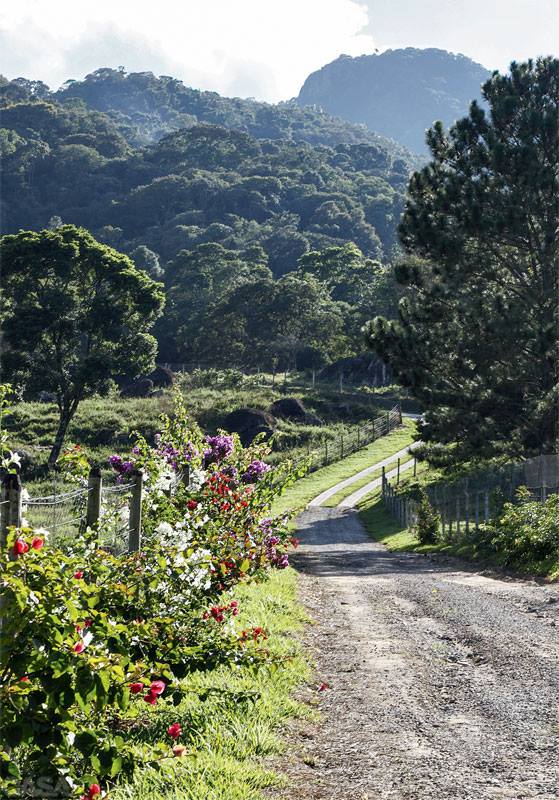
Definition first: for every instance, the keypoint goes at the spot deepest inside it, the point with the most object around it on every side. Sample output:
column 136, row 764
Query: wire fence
column 335, row 450
column 467, row 504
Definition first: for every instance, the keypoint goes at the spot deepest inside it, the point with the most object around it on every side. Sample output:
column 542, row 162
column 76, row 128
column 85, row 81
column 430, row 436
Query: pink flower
column 37, row 543
column 136, row 688
column 150, row 698
column 174, row 730
column 323, row 687
column 93, row 791
column 157, row 687
column 79, row 647
column 20, row 547
column 78, row 574
column 191, row 505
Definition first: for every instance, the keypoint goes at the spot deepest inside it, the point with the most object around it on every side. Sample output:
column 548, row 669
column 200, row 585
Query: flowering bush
column 91, row 641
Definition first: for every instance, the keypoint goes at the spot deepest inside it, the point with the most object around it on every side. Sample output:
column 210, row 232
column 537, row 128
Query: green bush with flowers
column 91, row 641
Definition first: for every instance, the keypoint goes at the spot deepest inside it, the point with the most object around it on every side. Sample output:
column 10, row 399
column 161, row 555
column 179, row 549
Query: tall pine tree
column 476, row 340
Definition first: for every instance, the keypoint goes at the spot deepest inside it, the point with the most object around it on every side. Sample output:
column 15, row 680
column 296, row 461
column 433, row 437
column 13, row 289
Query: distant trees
column 75, row 314
column 477, row 336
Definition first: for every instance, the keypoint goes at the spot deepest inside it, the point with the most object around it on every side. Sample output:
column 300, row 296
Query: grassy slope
column 333, row 501
column 316, row 482
column 227, row 739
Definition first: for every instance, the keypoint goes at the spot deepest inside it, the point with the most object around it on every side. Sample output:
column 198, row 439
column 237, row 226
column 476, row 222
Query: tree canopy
column 75, row 314
column 477, row 336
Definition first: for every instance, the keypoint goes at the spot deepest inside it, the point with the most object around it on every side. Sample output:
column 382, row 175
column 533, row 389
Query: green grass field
column 229, row 737
column 305, row 489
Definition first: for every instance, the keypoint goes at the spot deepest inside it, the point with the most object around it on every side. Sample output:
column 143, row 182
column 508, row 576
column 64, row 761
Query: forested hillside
column 220, row 209
column 398, row 93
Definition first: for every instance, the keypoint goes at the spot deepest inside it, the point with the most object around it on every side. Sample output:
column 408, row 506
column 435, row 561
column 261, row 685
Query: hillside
column 222, row 215
column 398, row 93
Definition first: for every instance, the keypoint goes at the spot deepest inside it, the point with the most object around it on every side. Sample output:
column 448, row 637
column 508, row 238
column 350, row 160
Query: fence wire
column 115, row 517
column 62, row 514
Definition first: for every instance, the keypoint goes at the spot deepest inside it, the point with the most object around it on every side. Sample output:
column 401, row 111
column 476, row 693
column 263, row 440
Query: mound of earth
column 249, row 422
column 365, row 368
column 140, row 388
column 162, row 377
column 293, row 408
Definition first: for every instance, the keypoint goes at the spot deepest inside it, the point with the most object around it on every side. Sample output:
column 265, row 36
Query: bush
column 428, row 521
column 527, row 530
column 91, row 641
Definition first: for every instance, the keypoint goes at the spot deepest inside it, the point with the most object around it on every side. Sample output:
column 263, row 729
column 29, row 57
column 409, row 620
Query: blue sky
column 259, row 48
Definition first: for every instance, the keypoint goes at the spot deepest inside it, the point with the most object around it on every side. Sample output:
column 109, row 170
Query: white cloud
column 262, row 48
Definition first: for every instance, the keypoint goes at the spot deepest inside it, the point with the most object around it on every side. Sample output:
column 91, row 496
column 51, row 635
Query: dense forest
column 398, row 93
column 221, row 199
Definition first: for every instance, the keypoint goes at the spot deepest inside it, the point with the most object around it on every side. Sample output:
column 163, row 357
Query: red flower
column 191, row 505
column 88, row 623
column 174, row 730
column 94, row 790
column 24, row 679
column 20, row 547
column 295, row 542
column 79, row 647
column 323, row 687
column 150, row 698
column 157, row 687
column 78, row 574
column 136, row 688
column 37, row 543
column 179, row 750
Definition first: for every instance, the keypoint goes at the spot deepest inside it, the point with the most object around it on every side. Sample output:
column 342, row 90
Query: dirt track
column 444, row 683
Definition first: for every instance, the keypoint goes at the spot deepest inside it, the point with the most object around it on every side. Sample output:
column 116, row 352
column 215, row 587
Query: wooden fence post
column 136, row 496
column 373, row 431
column 477, row 511
column 341, row 446
column 10, row 510
column 94, row 495
column 414, row 467
column 467, row 504
column 457, row 516
column 383, row 477
column 358, row 438
column 398, row 472
column 400, row 412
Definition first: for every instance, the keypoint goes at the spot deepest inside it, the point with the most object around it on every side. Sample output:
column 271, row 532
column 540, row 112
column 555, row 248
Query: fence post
column 341, row 446
column 136, row 496
column 326, row 452
column 358, row 442
column 414, row 467
column 94, row 495
column 467, row 504
column 388, row 422
column 477, row 511
column 383, row 477
column 457, row 516
column 11, row 504
column 398, row 472
column 373, row 431
column 486, row 506
column 400, row 412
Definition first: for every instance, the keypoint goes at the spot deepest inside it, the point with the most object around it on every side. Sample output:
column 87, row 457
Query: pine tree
column 476, row 341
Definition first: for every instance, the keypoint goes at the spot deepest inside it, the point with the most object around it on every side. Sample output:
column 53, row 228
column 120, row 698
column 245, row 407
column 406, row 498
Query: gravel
column 443, row 682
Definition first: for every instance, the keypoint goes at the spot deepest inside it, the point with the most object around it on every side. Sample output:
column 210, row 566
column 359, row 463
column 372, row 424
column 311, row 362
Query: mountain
column 398, row 93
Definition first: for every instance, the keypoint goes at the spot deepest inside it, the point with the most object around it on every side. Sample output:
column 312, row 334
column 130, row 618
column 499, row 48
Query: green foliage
column 428, row 521
column 76, row 313
column 88, row 636
column 214, row 193
column 477, row 338
column 527, row 530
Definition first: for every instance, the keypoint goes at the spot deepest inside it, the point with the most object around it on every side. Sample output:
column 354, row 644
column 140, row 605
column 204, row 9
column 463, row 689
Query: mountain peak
column 398, row 93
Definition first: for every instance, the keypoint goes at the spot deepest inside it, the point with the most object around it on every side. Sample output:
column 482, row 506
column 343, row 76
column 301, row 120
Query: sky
column 258, row 48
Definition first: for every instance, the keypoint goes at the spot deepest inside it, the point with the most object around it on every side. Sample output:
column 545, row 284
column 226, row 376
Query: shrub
column 428, row 521
column 527, row 530
column 91, row 641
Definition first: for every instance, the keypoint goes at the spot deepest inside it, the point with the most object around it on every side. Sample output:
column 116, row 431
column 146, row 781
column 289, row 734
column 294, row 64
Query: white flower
column 197, row 479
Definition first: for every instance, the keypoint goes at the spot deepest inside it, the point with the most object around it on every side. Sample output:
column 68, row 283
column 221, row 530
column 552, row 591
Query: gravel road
column 443, row 682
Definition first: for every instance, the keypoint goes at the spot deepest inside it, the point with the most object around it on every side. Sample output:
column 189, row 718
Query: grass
column 305, row 489
column 103, row 425
column 230, row 733
column 333, row 501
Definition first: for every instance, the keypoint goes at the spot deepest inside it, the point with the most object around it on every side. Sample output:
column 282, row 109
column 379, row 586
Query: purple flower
column 220, row 448
column 255, row 471
column 115, row 462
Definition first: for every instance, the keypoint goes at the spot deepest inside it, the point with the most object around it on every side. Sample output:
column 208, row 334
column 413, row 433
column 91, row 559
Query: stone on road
column 443, row 682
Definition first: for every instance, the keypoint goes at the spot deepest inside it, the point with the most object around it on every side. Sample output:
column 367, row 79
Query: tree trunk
column 66, row 415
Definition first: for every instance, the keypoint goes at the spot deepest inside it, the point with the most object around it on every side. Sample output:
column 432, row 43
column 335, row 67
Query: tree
column 477, row 336
column 76, row 313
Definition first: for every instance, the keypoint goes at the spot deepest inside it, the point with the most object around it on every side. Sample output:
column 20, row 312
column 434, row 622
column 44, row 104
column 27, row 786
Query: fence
column 466, row 504
column 337, row 449
column 116, row 510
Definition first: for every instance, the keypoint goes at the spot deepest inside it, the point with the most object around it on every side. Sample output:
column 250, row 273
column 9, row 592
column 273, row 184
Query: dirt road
column 443, row 683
